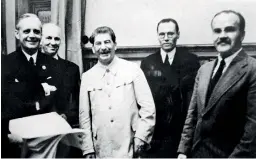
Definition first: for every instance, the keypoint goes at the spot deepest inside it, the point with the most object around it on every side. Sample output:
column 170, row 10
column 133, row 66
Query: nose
column 31, row 34
column 103, row 46
column 166, row 37
column 53, row 42
column 223, row 34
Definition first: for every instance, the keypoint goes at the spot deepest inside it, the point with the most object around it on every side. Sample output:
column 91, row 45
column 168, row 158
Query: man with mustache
column 117, row 110
column 28, row 86
column 170, row 73
column 221, row 120
column 68, row 74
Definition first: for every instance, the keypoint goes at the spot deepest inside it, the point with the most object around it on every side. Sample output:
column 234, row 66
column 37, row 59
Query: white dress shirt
column 171, row 55
column 34, row 56
column 227, row 60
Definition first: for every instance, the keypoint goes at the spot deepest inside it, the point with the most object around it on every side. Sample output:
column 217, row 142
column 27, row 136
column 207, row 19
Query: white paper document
column 43, row 125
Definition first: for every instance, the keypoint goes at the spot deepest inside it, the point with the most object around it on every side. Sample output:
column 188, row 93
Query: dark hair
column 24, row 16
column 241, row 18
column 167, row 20
column 102, row 30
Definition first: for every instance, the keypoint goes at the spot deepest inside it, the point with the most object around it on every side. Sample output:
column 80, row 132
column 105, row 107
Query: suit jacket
column 68, row 91
column 171, row 87
column 226, row 126
column 21, row 87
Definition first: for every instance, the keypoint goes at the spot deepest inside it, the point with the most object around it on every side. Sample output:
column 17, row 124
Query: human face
column 29, row 34
column 227, row 35
column 51, row 39
column 167, row 36
column 104, row 48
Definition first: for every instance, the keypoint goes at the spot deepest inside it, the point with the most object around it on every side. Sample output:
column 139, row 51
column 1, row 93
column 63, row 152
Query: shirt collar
column 170, row 54
column 112, row 67
column 34, row 56
column 228, row 59
column 56, row 57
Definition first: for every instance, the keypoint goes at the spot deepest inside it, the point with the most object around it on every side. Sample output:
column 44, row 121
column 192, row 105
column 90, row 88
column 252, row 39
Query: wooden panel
column 136, row 54
column 42, row 8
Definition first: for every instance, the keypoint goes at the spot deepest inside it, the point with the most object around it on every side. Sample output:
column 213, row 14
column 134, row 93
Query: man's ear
column 242, row 36
column 93, row 50
column 115, row 46
column 17, row 34
column 178, row 35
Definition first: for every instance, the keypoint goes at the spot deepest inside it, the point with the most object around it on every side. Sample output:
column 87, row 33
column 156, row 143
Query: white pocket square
column 16, row 80
column 49, row 77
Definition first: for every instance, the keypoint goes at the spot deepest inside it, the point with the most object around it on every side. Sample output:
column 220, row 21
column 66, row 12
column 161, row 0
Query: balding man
column 67, row 74
column 221, row 120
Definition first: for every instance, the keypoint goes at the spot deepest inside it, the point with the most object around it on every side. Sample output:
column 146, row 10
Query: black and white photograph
column 128, row 79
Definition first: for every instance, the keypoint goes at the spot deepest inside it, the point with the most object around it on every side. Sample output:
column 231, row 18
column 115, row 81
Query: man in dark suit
column 68, row 92
column 221, row 120
column 29, row 84
column 68, row 74
column 170, row 73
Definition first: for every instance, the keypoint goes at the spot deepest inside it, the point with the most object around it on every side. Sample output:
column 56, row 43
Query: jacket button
column 111, row 120
column 107, row 70
column 109, row 107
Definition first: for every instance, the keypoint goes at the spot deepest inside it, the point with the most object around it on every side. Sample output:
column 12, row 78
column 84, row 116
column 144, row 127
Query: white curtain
column 70, row 16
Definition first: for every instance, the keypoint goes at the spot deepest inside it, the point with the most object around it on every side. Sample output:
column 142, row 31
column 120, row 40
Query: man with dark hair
column 117, row 110
column 170, row 73
column 29, row 84
column 221, row 120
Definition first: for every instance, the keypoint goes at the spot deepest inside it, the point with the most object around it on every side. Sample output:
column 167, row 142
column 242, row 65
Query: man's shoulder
column 12, row 55
column 151, row 56
column 186, row 54
column 127, row 65
column 69, row 64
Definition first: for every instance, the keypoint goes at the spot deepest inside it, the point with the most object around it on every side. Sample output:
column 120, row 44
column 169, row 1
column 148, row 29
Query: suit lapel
column 234, row 72
column 159, row 58
column 204, row 83
column 22, row 63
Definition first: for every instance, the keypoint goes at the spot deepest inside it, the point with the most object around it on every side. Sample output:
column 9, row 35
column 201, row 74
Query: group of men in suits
column 34, row 82
column 200, row 112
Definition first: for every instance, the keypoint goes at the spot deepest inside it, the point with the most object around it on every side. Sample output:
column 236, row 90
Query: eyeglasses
column 169, row 35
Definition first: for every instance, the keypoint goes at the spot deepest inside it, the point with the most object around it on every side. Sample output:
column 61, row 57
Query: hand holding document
column 44, row 132
column 49, row 124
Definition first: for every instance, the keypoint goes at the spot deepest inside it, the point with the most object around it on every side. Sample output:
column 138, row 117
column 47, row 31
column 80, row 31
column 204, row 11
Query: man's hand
column 48, row 88
column 182, row 156
column 15, row 139
column 90, row 155
column 139, row 146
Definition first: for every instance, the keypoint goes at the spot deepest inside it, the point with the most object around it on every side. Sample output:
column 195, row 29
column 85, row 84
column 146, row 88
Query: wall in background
column 134, row 21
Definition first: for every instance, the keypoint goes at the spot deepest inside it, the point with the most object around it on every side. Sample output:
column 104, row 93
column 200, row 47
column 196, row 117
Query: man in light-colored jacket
column 116, row 106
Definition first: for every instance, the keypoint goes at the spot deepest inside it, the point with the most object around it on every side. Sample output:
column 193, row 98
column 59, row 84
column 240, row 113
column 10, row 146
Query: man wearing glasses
column 170, row 73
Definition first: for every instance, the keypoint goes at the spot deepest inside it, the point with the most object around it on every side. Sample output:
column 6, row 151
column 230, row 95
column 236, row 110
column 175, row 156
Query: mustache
column 106, row 51
column 224, row 40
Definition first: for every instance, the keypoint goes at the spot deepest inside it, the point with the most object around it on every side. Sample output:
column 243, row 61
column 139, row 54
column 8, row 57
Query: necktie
column 218, row 74
column 31, row 61
column 215, row 79
column 166, row 61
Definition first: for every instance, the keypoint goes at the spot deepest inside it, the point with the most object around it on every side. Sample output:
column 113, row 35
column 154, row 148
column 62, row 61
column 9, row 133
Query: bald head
column 51, row 39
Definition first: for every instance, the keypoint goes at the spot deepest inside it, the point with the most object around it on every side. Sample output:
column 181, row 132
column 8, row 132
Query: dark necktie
column 218, row 74
column 215, row 79
column 166, row 61
column 31, row 61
